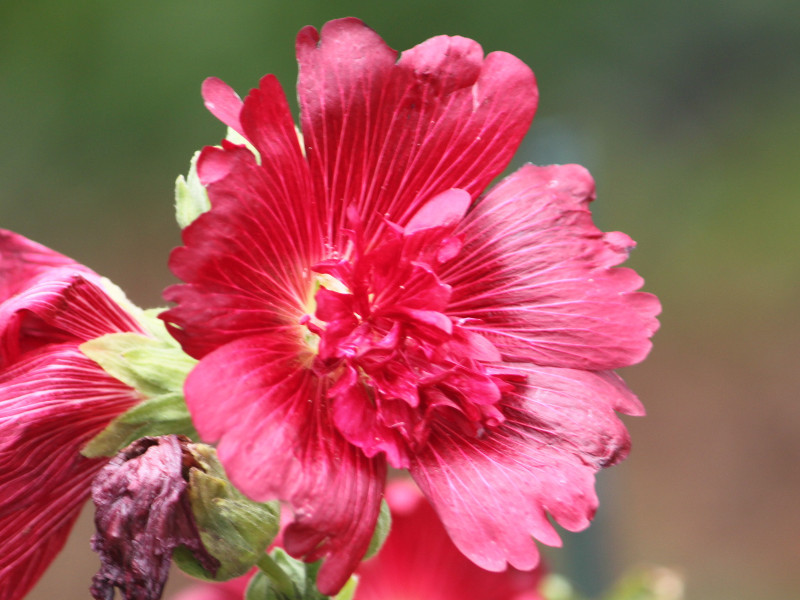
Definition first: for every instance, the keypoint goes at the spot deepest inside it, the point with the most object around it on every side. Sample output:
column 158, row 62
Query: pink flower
column 420, row 562
column 53, row 400
column 357, row 300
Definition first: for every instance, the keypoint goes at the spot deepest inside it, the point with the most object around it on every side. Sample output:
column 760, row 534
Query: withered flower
column 143, row 514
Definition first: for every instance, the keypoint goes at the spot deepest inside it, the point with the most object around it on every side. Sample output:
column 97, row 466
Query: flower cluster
column 357, row 300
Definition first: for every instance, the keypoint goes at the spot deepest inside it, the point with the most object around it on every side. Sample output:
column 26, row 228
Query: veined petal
column 22, row 261
column 493, row 493
column 34, row 533
column 246, row 262
column 276, row 440
column 536, row 275
column 63, row 304
column 385, row 136
column 51, row 403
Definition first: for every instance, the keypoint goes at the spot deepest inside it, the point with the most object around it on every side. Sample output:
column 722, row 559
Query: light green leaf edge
column 382, row 528
column 154, row 368
column 191, row 198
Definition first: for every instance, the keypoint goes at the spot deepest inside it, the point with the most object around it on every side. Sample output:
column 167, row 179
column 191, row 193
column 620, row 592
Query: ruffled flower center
column 394, row 361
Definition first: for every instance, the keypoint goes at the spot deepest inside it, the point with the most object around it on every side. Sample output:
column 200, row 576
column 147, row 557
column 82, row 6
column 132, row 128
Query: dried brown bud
column 143, row 514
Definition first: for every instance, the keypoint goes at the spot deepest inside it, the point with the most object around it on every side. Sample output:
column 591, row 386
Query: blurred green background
column 685, row 112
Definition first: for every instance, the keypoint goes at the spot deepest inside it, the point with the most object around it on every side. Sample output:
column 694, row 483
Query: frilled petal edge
column 383, row 136
column 536, row 276
column 246, row 262
column 493, row 493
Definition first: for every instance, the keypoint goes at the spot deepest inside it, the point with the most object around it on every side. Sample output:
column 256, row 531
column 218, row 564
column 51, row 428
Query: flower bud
column 236, row 530
column 143, row 514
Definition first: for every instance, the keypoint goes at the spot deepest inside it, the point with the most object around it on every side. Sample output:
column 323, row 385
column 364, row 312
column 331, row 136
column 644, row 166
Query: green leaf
column 382, row 528
column 148, row 365
column 156, row 369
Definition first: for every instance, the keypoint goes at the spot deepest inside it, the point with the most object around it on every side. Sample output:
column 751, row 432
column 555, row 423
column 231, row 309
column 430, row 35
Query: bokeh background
column 685, row 112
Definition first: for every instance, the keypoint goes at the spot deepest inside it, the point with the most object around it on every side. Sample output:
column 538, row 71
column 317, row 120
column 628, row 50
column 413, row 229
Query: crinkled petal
column 494, row 493
column 246, row 262
column 536, row 275
column 276, row 440
column 51, row 403
column 383, row 136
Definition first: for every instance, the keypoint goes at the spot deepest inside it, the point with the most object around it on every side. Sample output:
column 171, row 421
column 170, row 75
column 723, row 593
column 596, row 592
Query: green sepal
column 285, row 578
column 233, row 528
column 156, row 369
column 191, row 198
column 382, row 528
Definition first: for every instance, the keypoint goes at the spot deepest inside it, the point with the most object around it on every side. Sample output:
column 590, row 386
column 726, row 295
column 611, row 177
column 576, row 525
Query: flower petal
column 22, row 261
column 493, row 493
column 246, row 262
column 384, row 137
column 51, row 403
column 33, row 534
column 535, row 274
column 276, row 440
column 63, row 304
column 222, row 102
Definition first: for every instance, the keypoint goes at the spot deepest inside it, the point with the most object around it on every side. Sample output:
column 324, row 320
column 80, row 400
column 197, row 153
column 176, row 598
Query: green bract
column 285, row 578
column 233, row 528
column 191, row 199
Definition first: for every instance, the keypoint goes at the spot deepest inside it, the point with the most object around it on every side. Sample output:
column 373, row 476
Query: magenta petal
column 22, row 261
column 51, row 403
column 32, row 535
column 536, row 275
column 385, row 137
column 276, row 440
column 60, row 305
column 493, row 493
column 246, row 263
column 446, row 209
column 223, row 102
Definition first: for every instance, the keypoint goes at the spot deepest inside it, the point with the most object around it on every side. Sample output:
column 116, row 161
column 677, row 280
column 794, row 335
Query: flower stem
column 278, row 576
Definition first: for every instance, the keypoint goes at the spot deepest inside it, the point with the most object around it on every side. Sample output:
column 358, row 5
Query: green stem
column 270, row 568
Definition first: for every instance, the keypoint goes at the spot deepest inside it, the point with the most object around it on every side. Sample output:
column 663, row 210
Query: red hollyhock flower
column 53, row 400
column 357, row 301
